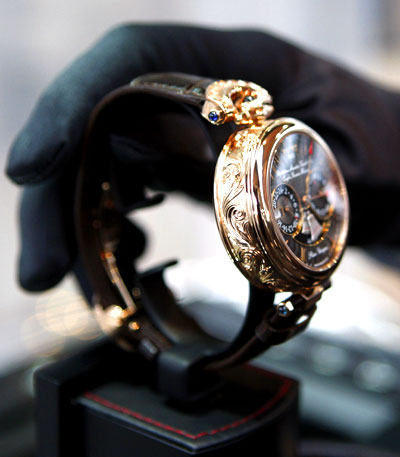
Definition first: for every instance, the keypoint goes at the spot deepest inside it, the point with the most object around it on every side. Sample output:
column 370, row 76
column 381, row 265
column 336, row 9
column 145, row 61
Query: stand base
column 87, row 406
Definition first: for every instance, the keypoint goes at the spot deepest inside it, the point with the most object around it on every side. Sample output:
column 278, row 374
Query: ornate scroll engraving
column 240, row 237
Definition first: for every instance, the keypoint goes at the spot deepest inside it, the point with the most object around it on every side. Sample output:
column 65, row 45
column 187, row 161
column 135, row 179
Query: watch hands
column 320, row 195
column 306, row 198
column 311, row 226
column 310, row 153
column 315, row 226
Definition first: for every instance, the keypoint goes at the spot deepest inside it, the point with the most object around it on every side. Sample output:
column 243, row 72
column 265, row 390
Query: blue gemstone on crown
column 213, row 116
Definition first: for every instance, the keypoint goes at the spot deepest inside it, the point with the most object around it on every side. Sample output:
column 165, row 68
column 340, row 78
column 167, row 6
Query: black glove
column 357, row 119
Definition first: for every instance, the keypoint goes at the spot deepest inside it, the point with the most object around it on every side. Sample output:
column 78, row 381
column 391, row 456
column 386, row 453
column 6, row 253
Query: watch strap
column 180, row 87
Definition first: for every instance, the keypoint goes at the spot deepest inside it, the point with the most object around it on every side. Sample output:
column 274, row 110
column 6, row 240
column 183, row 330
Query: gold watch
column 280, row 199
column 281, row 207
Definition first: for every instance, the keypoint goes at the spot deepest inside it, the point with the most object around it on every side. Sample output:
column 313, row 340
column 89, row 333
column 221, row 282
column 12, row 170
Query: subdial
column 317, row 196
column 287, row 210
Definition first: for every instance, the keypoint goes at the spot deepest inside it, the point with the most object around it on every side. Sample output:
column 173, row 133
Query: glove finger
column 48, row 248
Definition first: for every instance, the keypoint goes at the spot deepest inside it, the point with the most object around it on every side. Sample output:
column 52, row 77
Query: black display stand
column 102, row 402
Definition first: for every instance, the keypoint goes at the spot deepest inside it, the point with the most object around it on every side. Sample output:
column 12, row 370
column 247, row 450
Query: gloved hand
column 357, row 119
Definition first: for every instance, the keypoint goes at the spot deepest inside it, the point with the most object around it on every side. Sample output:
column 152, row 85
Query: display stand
column 103, row 402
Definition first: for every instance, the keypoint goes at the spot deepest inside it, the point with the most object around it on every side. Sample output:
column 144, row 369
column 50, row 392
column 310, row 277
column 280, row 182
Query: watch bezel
column 282, row 128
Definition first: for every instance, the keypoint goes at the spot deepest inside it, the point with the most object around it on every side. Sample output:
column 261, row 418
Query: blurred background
column 349, row 361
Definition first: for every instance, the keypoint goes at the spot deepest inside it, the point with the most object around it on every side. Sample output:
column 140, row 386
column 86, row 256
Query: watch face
column 308, row 200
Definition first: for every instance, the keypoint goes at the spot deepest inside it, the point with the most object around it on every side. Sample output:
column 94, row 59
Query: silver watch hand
column 315, row 226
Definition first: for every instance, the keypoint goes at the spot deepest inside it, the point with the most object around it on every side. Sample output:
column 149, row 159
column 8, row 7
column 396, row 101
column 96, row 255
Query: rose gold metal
column 112, row 317
column 244, row 210
column 236, row 100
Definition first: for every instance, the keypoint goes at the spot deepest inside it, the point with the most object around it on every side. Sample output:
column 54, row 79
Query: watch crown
column 239, row 101
column 213, row 116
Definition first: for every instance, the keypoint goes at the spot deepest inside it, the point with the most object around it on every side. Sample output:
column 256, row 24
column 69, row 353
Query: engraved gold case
column 281, row 205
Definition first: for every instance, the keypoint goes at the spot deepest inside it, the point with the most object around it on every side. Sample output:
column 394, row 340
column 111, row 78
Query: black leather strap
column 156, row 327
column 180, row 87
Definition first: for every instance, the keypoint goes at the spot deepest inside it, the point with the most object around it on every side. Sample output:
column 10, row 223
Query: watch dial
column 309, row 200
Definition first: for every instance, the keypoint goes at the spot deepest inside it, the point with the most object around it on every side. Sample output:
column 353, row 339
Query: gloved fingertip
column 46, row 230
column 39, row 283
column 42, row 266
